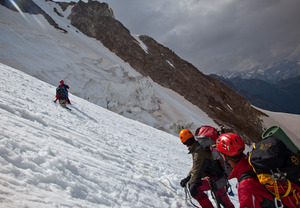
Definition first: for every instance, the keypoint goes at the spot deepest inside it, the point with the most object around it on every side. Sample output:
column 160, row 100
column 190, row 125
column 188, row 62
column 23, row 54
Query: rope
column 187, row 193
column 133, row 163
column 276, row 191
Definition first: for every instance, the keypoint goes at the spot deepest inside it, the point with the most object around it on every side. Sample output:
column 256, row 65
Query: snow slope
column 30, row 44
column 89, row 157
column 289, row 123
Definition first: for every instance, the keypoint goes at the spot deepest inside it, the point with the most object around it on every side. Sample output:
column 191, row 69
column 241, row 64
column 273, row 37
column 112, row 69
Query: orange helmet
column 185, row 134
column 61, row 81
column 230, row 144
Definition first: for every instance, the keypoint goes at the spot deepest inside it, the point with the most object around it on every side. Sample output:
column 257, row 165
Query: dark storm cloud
column 217, row 35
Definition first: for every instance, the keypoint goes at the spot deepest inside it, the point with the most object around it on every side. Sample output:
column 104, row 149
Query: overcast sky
column 217, row 35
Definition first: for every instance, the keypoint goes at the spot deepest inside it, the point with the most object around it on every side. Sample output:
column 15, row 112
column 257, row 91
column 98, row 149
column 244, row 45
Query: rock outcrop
column 162, row 65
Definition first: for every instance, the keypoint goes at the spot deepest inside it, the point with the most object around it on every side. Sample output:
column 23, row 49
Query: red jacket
column 251, row 193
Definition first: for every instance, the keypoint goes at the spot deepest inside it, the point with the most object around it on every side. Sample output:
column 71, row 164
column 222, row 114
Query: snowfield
column 89, row 157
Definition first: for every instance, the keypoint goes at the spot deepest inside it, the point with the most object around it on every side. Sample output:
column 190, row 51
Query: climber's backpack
column 61, row 94
column 276, row 162
column 207, row 137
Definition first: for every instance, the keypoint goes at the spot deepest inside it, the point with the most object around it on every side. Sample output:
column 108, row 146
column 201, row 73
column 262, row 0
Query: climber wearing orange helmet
column 65, row 87
column 204, row 173
column 251, row 193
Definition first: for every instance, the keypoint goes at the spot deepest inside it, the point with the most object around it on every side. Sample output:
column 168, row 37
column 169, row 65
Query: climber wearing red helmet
column 65, row 87
column 251, row 193
column 204, row 174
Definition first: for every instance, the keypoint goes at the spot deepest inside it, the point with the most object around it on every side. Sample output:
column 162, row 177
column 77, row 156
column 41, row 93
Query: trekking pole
column 213, row 193
column 187, row 194
column 216, row 198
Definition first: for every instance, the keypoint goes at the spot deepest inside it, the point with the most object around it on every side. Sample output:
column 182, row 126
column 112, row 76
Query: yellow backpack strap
column 288, row 189
column 250, row 161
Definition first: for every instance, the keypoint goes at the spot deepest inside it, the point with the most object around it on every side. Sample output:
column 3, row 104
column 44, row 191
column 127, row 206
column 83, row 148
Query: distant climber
column 62, row 94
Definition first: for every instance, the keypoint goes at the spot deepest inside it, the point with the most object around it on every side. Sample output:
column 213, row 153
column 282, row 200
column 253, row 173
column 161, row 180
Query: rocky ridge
column 164, row 67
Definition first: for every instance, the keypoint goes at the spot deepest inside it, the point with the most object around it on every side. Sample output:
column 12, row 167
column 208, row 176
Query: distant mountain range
column 275, row 88
column 271, row 74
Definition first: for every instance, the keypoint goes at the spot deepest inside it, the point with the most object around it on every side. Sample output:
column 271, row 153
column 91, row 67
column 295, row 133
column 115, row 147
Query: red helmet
column 61, row 81
column 230, row 144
